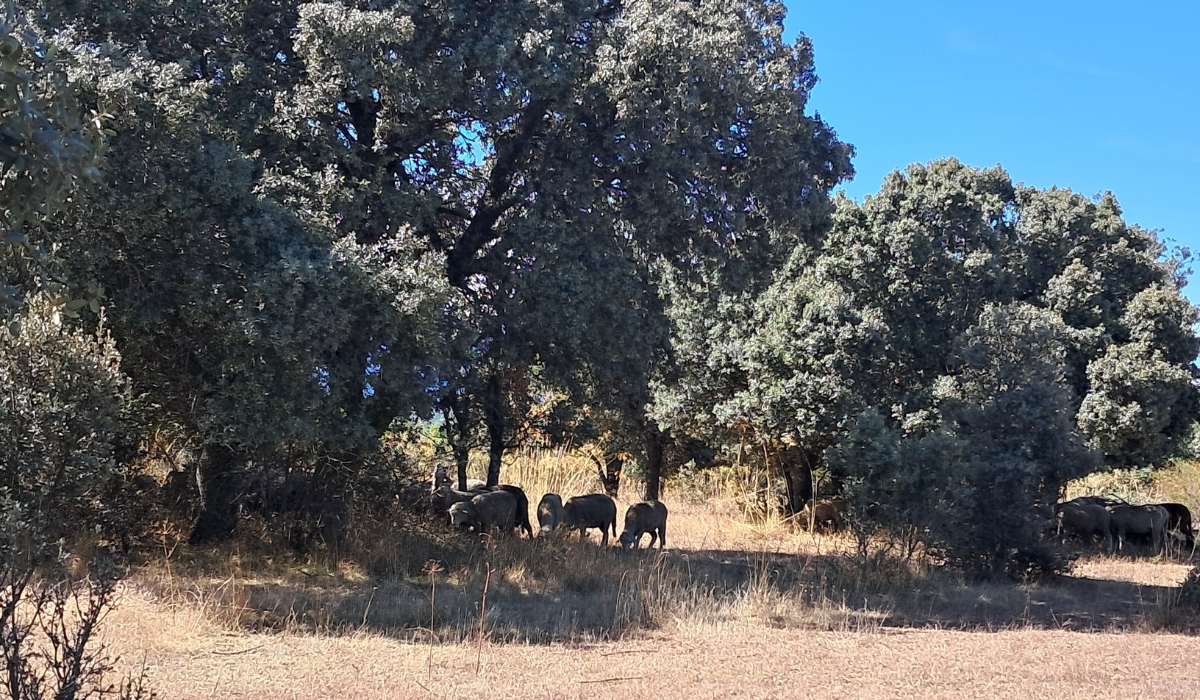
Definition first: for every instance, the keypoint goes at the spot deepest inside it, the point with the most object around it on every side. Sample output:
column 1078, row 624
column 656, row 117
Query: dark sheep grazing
column 1179, row 519
column 485, row 511
column 647, row 516
column 550, row 513
column 1085, row 519
column 522, row 506
column 1139, row 520
column 592, row 510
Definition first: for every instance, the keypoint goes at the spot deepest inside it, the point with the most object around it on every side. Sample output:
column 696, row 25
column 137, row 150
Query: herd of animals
column 506, row 508
column 1113, row 519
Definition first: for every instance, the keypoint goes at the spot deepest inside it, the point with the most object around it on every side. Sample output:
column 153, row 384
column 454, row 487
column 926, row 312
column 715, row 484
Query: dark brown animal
column 1085, row 519
column 1179, row 519
column 485, row 511
column 592, row 510
column 830, row 512
column 647, row 516
column 1139, row 520
column 522, row 506
column 550, row 513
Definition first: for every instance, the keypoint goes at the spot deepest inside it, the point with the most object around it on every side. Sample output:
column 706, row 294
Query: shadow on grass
column 563, row 590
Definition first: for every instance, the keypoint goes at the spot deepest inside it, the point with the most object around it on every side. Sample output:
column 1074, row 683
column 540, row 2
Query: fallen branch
column 611, row 680
column 235, row 653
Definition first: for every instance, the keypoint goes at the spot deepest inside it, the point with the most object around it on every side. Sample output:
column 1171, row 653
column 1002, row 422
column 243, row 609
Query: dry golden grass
column 732, row 608
column 1179, row 483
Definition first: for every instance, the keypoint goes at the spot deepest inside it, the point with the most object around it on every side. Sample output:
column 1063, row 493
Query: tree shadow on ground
column 941, row 600
column 563, row 590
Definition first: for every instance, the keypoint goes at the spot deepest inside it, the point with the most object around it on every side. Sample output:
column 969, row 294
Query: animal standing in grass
column 550, row 514
column 485, row 511
column 592, row 510
column 522, row 519
column 829, row 512
column 1139, row 520
column 647, row 516
column 1179, row 519
column 1085, row 519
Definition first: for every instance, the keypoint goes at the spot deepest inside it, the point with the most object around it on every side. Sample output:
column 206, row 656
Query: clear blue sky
column 1092, row 96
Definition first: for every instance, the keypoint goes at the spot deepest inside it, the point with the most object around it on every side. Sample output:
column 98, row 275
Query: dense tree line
column 302, row 224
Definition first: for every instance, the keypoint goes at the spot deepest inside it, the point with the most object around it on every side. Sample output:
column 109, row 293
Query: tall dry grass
column 1178, row 482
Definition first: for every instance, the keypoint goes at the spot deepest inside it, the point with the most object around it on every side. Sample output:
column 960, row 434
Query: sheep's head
column 462, row 514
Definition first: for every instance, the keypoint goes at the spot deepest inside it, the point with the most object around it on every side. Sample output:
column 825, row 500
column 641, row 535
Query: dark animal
column 1179, row 519
column 827, row 512
column 550, row 513
column 647, row 516
column 1139, row 520
column 485, row 511
column 522, row 506
column 592, row 510
column 1085, row 519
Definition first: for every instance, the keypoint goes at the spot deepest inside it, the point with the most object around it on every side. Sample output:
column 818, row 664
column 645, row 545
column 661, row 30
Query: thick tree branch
column 512, row 155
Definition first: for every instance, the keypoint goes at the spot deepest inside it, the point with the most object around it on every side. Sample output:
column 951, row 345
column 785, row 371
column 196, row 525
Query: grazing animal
column 1179, row 519
column 550, row 513
column 1139, row 520
column 592, row 510
column 647, row 516
column 485, row 511
column 1085, row 520
column 829, row 511
column 522, row 506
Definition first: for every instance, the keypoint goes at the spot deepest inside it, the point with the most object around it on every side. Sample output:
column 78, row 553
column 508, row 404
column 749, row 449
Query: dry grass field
column 733, row 608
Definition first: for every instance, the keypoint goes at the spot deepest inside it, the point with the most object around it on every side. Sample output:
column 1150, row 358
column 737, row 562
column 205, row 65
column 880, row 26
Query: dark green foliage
column 585, row 220
column 61, row 428
column 322, row 216
column 46, row 150
column 975, row 487
column 1030, row 335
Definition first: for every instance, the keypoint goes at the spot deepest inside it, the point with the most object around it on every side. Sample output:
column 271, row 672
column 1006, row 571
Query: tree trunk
column 325, row 513
column 796, row 465
column 494, row 415
column 654, row 462
column 610, row 475
column 219, row 484
column 458, row 430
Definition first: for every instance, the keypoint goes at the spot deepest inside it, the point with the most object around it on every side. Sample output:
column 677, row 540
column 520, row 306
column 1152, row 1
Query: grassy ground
column 731, row 607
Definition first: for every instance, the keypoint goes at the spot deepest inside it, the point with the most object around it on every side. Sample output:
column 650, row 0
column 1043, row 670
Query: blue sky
column 1092, row 96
